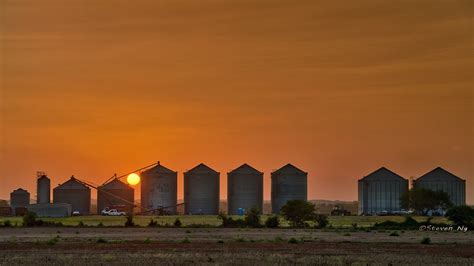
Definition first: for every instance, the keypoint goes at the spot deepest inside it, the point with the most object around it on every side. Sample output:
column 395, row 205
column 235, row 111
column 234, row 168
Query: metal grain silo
column 19, row 198
column 441, row 180
column 380, row 192
column 74, row 193
column 201, row 190
column 115, row 194
column 43, row 189
column 244, row 189
column 159, row 189
column 288, row 183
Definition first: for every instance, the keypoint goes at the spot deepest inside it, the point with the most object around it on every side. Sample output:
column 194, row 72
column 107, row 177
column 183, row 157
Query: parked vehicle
column 112, row 212
column 76, row 213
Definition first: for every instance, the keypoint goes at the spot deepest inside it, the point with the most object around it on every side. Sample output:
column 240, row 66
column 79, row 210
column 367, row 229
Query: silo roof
column 439, row 173
column 72, row 183
column 245, row 168
column 380, row 172
column 20, row 190
column 43, row 176
column 160, row 169
column 201, row 168
column 289, row 168
column 116, row 184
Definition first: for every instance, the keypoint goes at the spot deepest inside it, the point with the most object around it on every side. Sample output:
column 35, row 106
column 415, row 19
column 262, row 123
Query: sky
column 338, row 88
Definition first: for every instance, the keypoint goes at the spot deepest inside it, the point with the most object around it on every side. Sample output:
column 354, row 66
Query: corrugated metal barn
column 159, row 188
column 440, row 179
column 288, row 183
column 201, row 190
column 244, row 189
column 115, row 193
column 381, row 191
column 74, row 193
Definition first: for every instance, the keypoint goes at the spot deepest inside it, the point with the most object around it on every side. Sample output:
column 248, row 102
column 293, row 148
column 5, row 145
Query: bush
column 426, row 241
column 252, row 218
column 81, row 224
column 227, row 221
column 297, row 212
column 100, row 224
column 272, row 222
column 29, row 219
column 101, row 241
column 153, row 223
column 52, row 241
column 129, row 222
column 7, row 223
column 394, row 233
column 322, row 220
column 461, row 215
column 177, row 223
column 293, row 241
column 185, row 240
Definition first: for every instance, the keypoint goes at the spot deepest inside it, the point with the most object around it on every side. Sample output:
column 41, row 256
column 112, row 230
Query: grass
column 212, row 220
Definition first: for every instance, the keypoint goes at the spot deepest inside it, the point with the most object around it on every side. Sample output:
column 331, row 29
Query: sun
column 133, row 179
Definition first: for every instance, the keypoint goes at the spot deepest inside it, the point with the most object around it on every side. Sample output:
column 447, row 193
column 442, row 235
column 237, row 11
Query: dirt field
column 125, row 246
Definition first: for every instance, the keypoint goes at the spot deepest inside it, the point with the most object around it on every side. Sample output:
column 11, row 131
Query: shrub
column 100, row 224
column 185, row 240
column 153, row 223
column 227, row 221
column 147, row 241
column 7, row 223
column 177, row 223
column 297, row 212
column 272, row 222
column 129, row 222
column 426, row 241
column 29, row 219
column 321, row 220
column 220, row 241
column 252, row 218
column 101, row 241
column 461, row 215
column 293, row 241
column 394, row 233
column 81, row 224
column 278, row 239
column 52, row 241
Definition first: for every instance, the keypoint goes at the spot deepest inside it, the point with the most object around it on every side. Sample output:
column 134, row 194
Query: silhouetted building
column 74, row 193
column 244, row 189
column 441, row 180
column 288, row 183
column 43, row 189
column 113, row 194
column 159, row 189
column 380, row 192
column 201, row 190
column 19, row 199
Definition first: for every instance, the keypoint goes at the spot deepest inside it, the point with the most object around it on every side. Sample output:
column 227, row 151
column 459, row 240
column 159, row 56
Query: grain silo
column 115, row 195
column 441, row 180
column 159, row 189
column 74, row 193
column 43, row 188
column 19, row 199
column 380, row 192
column 288, row 183
column 244, row 189
column 201, row 190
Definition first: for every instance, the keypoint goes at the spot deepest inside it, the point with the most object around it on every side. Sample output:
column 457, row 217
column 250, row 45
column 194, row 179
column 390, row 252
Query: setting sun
column 133, row 179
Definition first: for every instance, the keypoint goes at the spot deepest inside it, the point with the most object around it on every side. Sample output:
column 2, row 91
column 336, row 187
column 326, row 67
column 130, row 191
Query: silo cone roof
column 384, row 173
column 160, row 169
column 202, row 168
column 245, row 168
column 116, row 184
column 289, row 168
column 43, row 176
column 20, row 191
column 72, row 183
column 438, row 174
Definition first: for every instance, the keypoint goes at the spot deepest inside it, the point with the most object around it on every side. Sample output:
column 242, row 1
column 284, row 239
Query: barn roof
column 72, row 183
column 245, row 168
column 116, row 184
column 438, row 173
column 202, row 168
column 383, row 171
column 289, row 168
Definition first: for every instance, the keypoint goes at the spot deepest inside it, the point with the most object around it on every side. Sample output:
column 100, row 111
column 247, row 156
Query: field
column 340, row 244
column 94, row 220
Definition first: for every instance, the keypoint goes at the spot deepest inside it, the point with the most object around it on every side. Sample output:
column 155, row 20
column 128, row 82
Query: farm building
column 74, row 193
column 201, row 190
column 43, row 189
column 440, row 179
column 288, row 183
column 51, row 209
column 380, row 192
column 159, row 189
column 115, row 194
column 19, row 200
column 244, row 189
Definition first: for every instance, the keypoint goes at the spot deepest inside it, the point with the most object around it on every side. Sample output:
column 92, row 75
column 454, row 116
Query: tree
column 461, row 215
column 321, row 220
column 297, row 212
column 272, row 222
column 422, row 200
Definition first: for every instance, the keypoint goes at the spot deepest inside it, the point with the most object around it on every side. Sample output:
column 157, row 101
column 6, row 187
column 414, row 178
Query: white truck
column 112, row 212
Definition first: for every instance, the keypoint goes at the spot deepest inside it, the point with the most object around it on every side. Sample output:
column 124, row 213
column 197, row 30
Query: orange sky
column 338, row 88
